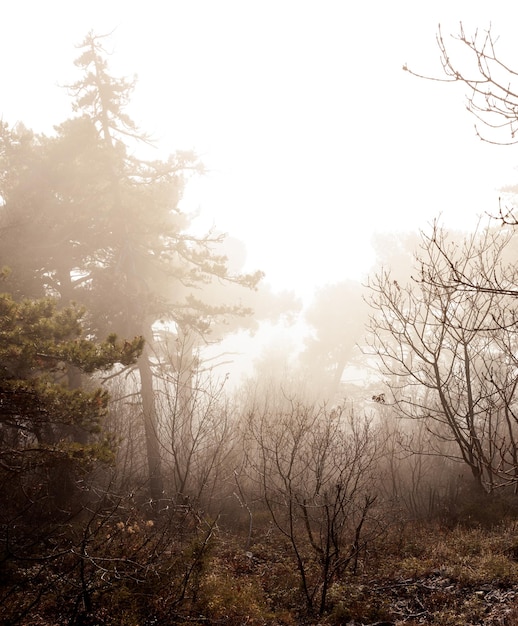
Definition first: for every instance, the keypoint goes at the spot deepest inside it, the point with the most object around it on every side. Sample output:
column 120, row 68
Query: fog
column 312, row 135
column 258, row 311
column 314, row 140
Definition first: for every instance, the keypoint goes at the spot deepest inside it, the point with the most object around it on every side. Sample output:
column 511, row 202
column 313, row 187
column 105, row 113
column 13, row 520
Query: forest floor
column 438, row 599
column 411, row 574
column 425, row 575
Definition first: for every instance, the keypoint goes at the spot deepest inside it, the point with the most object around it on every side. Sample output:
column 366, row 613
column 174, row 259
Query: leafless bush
column 316, row 472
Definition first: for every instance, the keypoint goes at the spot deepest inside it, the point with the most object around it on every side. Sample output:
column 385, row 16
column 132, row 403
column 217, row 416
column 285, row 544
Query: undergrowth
column 419, row 574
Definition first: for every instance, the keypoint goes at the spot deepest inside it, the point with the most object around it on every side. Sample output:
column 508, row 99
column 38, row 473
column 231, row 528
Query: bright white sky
column 314, row 136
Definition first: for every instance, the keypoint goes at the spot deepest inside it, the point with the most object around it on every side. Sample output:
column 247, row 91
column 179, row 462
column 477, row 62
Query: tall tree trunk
column 156, row 483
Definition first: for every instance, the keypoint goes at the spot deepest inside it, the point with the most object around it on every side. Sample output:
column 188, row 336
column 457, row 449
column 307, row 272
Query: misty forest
column 368, row 475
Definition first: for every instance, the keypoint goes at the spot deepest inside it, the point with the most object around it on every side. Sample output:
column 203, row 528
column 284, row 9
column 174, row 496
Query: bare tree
column 448, row 352
column 195, row 422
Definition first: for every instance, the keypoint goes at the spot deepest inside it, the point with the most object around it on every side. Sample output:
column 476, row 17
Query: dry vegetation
column 256, row 553
column 142, row 573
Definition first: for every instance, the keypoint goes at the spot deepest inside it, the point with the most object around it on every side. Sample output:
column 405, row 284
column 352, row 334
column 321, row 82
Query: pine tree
column 111, row 234
column 42, row 459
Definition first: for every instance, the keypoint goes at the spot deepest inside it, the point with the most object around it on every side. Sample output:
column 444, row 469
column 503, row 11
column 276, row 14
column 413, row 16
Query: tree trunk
column 156, row 485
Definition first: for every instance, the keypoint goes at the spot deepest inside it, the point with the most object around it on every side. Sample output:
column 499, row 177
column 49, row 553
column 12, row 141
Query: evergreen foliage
column 51, row 435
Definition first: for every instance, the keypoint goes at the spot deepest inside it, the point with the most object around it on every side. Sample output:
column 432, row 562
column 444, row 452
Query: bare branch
column 492, row 84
